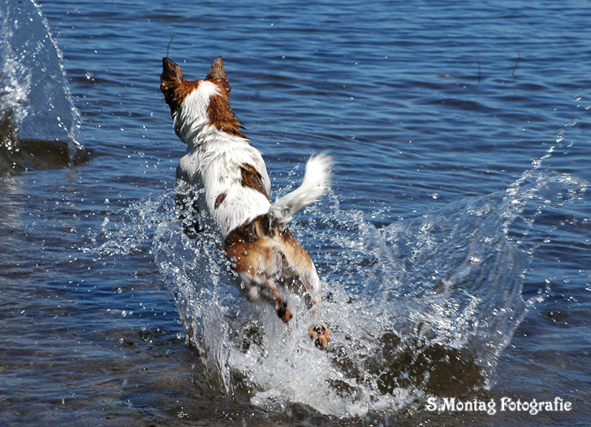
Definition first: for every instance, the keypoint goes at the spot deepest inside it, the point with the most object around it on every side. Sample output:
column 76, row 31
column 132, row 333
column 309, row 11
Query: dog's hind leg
column 265, row 289
column 318, row 332
column 281, row 307
column 300, row 272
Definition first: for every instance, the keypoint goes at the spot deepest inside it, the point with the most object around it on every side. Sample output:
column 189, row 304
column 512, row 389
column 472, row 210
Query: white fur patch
column 215, row 166
column 191, row 120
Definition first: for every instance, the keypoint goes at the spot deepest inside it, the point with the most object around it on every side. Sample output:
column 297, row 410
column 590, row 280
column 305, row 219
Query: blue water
column 453, row 246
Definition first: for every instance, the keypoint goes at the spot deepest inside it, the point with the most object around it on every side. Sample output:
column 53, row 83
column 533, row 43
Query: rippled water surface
column 453, row 247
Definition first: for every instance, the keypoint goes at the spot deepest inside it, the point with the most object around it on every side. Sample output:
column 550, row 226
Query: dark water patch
column 39, row 155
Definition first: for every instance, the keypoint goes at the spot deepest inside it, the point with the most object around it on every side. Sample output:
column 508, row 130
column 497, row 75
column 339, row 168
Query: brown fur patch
column 250, row 231
column 250, row 248
column 219, row 112
column 253, row 247
column 252, row 178
column 295, row 258
column 173, row 86
column 221, row 115
column 219, row 200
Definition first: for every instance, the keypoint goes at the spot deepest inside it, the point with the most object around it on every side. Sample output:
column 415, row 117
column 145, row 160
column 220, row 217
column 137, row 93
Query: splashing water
column 416, row 308
column 39, row 124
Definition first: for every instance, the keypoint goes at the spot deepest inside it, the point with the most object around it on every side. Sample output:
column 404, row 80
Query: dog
column 219, row 159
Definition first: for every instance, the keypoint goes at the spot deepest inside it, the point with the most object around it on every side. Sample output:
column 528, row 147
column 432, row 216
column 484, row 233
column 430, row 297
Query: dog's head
column 205, row 100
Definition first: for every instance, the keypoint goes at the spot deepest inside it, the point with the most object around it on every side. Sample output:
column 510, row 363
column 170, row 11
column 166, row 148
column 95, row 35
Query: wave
column 39, row 124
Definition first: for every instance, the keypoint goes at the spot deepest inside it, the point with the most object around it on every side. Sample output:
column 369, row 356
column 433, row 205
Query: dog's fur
column 220, row 159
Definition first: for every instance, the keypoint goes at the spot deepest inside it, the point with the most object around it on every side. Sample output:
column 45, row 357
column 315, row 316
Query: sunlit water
column 453, row 247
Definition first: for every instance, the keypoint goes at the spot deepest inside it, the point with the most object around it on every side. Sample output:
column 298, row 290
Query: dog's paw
column 319, row 334
column 284, row 312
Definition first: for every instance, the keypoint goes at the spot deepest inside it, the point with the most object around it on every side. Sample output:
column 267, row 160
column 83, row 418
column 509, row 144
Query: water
column 39, row 124
column 453, row 247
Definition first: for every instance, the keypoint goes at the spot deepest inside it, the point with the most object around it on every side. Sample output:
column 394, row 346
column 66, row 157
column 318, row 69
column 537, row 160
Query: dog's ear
column 218, row 74
column 170, row 80
column 171, row 72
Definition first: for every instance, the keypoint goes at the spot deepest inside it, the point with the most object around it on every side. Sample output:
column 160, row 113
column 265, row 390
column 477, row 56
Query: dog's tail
column 316, row 182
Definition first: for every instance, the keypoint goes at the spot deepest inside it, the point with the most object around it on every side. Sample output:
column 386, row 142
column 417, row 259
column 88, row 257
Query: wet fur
column 220, row 159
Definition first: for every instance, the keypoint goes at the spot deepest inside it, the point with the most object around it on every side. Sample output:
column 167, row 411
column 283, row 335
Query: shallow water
column 453, row 247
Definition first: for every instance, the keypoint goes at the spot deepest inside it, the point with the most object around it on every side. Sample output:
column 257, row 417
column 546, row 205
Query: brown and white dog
column 220, row 159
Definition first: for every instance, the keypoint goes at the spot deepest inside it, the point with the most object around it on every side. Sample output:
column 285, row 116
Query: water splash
column 39, row 124
column 420, row 307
